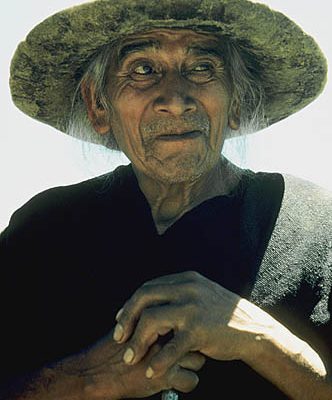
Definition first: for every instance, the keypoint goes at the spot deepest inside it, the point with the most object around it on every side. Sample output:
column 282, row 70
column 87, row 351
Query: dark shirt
column 73, row 255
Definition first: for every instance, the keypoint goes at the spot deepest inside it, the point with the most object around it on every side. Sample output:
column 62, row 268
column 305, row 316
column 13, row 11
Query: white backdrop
column 34, row 156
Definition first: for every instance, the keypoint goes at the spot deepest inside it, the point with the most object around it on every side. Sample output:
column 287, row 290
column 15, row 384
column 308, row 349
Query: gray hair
column 245, row 82
column 79, row 124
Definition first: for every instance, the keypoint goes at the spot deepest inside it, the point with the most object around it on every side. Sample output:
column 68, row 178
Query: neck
column 169, row 201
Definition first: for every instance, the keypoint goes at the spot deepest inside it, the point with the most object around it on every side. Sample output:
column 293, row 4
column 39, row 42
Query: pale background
column 34, row 156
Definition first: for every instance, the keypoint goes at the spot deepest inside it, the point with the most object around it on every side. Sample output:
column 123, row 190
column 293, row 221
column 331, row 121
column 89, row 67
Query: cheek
column 220, row 101
column 216, row 103
column 214, row 96
column 127, row 114
column 217, row 106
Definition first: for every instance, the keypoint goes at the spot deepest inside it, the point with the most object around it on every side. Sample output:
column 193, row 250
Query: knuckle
column 135, row 298
column 192, row 286
column 191, row 307
column 145, row 290
column 148, row 283
column 140, row 296
column 129, row 315
column 146, row 318
column 138, row 338
column 193, row 275
column 126, row 312
column 144, row 335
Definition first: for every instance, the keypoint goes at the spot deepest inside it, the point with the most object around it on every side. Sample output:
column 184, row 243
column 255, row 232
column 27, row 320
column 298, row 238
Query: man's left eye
column 203, row 67
column 201, row 72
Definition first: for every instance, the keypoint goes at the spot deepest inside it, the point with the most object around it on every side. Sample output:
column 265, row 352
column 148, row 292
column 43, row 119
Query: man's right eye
column 144, row 70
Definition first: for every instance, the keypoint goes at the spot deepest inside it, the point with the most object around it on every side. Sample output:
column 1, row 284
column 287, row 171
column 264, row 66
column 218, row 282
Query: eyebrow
column 129, row 48
column 203, row 50
column 154, row 44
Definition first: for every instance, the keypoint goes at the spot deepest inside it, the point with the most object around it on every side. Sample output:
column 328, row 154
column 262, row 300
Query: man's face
column 171, row 101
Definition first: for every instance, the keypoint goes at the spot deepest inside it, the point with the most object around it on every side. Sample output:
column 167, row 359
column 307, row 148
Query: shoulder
column 299, row 252
column 60, row 205
column 302, row 195
column 305, row 212
column 305, row 220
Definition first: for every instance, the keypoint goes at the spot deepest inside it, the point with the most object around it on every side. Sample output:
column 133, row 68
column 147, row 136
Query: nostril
column 176, row 105
column 191, row 108
column 163, row 110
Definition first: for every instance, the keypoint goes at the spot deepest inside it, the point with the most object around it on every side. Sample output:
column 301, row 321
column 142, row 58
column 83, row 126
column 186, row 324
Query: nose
column 174, row 100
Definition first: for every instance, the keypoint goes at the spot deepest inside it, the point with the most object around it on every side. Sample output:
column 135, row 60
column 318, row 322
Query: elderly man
column 211, row 272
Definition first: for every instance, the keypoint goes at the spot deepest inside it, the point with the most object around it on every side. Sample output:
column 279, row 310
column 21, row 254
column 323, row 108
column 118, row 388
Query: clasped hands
column 205, row 319
column 168, row 327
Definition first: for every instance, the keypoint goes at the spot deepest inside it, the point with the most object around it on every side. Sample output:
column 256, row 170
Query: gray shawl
column 300, row 249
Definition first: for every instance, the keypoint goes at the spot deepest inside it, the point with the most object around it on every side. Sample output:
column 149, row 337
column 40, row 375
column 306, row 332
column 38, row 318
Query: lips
column 180, row 136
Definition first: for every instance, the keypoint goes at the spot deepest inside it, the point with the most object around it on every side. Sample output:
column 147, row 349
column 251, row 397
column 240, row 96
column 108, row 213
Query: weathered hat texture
column 48, row 65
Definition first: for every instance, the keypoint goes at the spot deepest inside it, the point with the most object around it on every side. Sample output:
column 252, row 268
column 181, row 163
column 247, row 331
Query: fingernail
column 149, row 373
column 128, row 355
column 118, row 315
column 118, row 332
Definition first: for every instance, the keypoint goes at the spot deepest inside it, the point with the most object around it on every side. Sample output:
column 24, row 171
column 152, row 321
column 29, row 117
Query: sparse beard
column 168, row 125
column 179, row 170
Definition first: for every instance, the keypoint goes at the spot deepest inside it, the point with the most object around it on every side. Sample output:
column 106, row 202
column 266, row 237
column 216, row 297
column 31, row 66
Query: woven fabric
column 300, row 249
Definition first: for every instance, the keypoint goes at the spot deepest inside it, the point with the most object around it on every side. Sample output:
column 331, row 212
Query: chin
column 180, row 170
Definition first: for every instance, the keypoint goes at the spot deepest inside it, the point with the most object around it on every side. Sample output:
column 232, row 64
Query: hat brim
column 47, row 66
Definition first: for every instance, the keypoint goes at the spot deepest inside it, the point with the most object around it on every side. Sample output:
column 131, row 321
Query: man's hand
column 103, row 373
column 204, row 316
column 99, row 373
column 207, row 318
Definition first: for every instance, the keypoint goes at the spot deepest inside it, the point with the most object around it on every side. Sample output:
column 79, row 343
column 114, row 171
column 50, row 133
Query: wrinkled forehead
column 163, row 39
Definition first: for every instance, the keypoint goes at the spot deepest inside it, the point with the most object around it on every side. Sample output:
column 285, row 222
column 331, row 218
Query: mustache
column 168, row 126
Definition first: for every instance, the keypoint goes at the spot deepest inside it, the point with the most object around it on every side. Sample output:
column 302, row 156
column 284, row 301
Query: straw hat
column 47, row 66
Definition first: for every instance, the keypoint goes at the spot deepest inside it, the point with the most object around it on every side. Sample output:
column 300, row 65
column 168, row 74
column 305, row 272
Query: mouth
column 180, row 136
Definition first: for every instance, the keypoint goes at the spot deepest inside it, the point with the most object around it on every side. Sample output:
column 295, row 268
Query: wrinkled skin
column 106, row 376
column 204, row 316
column 158, row 93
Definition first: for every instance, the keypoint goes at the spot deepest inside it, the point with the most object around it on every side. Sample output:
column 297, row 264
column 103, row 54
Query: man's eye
column 202, row 67
column 144, row 70
column 201, row 72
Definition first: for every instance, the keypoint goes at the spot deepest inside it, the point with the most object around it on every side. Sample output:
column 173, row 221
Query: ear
column 234, row 114
column 97, row 114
